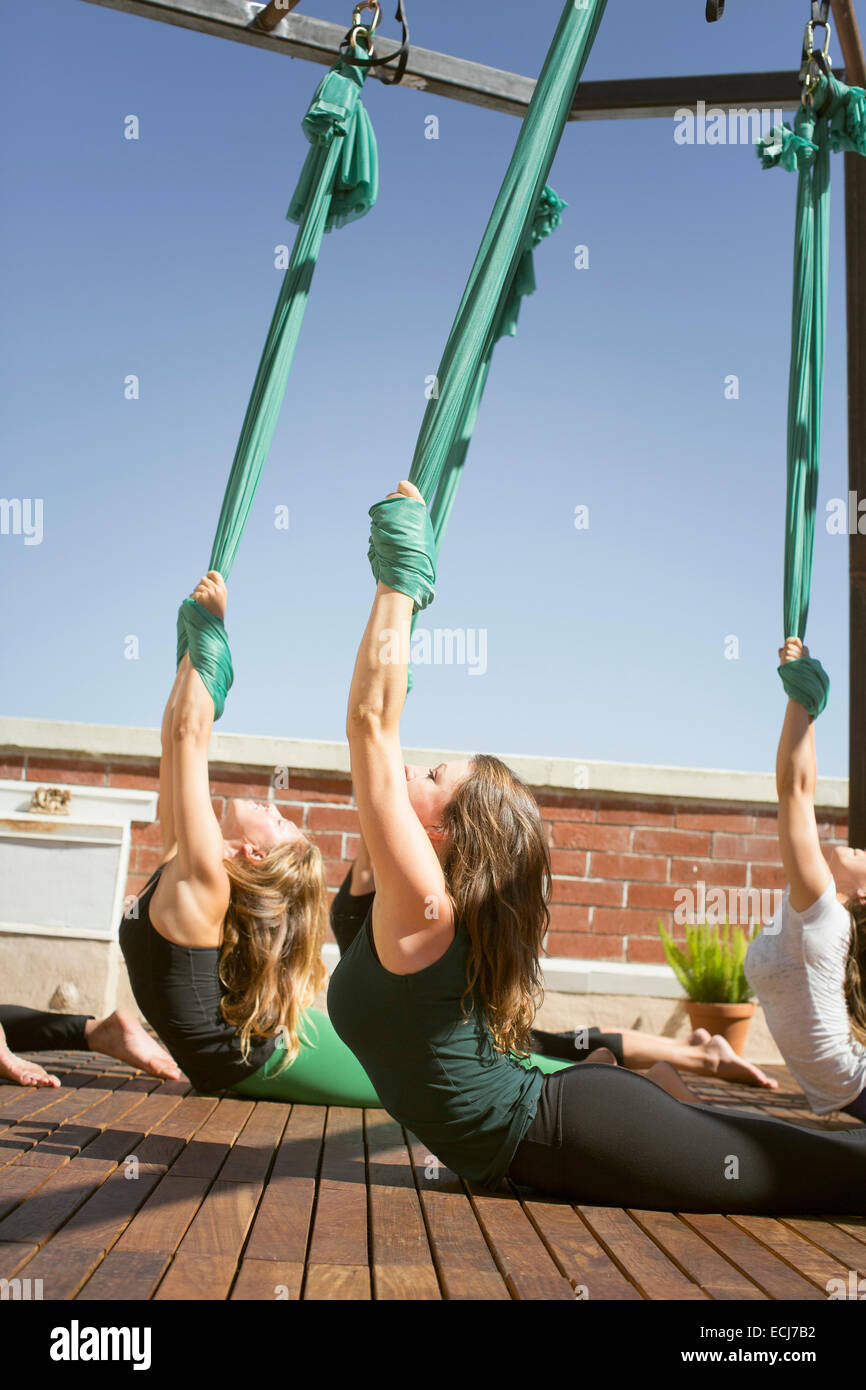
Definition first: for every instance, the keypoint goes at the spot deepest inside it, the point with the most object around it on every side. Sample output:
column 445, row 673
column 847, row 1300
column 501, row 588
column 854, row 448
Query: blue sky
column 155, row 257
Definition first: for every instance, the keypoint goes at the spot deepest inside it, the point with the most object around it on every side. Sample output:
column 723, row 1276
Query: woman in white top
column 808, row 966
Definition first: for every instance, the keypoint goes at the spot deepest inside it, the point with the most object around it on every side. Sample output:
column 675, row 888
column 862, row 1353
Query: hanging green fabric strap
column 402, row 548
column 338, row 184
column 206, row 640
column 840, row 124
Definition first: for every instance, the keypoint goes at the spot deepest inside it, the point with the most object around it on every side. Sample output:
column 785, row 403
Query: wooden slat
column 20, row 1179
column 339, row 1235
column 402, row 1265
column 253, row 1151
column 830, row 1238
column 586, row 1263
column 527, row 1266
column 282, row 1223
column 124, row 1276
column 811, row 1262
column 220, row 1225
column 461, row 1255
column 700, row 1261
column 165, row 1217
column 762, row 1266
column 638, row 1256
column 36, row 1219
column 195, row 1277
column 340, row 1282
column 205, row 1154
column 278, row 1280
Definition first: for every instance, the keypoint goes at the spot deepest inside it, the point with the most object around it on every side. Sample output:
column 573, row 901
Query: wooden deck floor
column 120, row 1187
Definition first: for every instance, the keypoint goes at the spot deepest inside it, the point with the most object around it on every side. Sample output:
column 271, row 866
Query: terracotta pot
column 731, row 1020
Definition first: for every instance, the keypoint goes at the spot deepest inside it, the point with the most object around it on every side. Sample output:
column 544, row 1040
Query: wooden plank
column 164, row 1218
column 193, row 1277
column 762, row 1266
column 268, row 1279
column 852, row 1226
column 402, row 1265
column 282, row 1223
column 20, row 1180
column 220, row 1225
column 639, row 1257
column 205, row 1154
column 529, row 1269
column 54, row 1201
column 339, row 1235
column 13, row 1256
column 97, row 1224
column 253, row 1152
column 850, row 1250
column 806, row 1258
column 442, row 75
column 340, row 1282
column 461, row 1255
column 586, row 1263
column 124, row 1276
column 700, row 1261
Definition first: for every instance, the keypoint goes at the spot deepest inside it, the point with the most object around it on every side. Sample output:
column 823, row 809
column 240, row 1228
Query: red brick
column 735, row 823
column 763, row 848
column 333, row 818
column 636, row 815
column 568, row 919
column 135, row 777
column 592, row 891
column 659, row 896
column 571, row 836
column 13, row 769
column 146, row 834
column 645, row 951
column 584, row 946
column 671, row 842
column 74, row 772
column 246, row 785
column 293, row 810
column 764, row 825
column 335, row 872
column 351, row 846
column 568, row 861
column 330, row 844
column 652, row 868
column 320, row 788
column 768, row 876
column 625, row 921
column 553, row 811
column 714, row 872
column 144, row 861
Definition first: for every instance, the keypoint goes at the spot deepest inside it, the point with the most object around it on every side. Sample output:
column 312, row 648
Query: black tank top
column 179, row 991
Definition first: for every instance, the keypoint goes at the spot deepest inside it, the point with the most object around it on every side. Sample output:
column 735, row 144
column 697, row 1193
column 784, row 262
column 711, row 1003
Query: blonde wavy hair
column 855, row 969
column 271, row 959
column 497, row 869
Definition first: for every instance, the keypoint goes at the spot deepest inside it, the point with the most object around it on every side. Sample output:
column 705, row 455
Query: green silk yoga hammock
column 835, row 120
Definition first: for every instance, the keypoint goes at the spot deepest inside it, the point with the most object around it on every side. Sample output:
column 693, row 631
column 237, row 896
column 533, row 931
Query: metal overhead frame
column 273, row 26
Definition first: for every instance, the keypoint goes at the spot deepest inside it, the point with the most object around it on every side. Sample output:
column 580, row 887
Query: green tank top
column 437, row 1072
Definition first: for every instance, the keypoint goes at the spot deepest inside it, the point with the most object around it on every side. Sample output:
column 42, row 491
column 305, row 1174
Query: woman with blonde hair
column 223, row 946
column 436, row 994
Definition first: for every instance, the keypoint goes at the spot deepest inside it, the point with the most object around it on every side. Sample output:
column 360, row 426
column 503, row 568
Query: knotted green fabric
column 402, row 548
column 836, row 120
column 338, row 183
column 524, row 212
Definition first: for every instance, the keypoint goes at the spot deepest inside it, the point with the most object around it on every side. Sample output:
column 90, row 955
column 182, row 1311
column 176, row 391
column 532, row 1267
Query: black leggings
column 29, row 1030
column 603, row 1136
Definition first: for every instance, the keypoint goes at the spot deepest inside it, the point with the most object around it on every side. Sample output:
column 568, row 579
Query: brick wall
column 617, row 859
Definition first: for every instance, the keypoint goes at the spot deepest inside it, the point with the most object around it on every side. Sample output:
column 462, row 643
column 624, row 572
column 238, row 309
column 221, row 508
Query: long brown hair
column 497, row 868
column 271, row 960
column 855, row 969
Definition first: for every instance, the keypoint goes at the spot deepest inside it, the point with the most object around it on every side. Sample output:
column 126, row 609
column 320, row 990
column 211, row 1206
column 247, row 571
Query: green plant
column 710, row 968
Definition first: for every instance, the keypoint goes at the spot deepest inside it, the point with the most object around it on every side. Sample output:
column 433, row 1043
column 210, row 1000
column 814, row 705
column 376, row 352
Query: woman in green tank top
column 437, row 992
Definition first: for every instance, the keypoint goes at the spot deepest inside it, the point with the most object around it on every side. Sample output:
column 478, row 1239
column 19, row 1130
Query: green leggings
column 325, row 1072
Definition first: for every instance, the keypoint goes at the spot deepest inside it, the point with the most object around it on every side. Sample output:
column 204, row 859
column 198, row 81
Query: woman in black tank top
column 223, row 946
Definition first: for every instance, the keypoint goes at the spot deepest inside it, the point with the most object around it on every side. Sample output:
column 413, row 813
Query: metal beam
column 855, row 274
column 439, row 74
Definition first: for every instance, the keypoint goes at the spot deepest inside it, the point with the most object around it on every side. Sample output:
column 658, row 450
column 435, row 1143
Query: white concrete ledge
column 112, row 741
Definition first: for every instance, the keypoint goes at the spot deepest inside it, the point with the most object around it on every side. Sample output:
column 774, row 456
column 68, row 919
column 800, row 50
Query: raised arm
column 197, row 873
column 412, row 916
column 796, row 777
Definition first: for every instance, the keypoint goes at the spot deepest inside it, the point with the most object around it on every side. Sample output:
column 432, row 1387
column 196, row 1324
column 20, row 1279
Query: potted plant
column 710, row 970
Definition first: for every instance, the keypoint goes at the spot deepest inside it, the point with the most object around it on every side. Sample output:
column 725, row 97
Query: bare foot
column 15, row 1069
column 667, row 1076
column 121, row 1035
column 602, row 1054
column 698, row 1037
column 723, row 1062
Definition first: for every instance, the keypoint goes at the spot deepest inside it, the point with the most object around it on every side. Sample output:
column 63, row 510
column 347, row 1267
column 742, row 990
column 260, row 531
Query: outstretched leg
column 34, row 1030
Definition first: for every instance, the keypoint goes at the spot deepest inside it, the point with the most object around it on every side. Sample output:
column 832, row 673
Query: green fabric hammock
column 338, row 184
column 525, row 210
column 840, row 125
